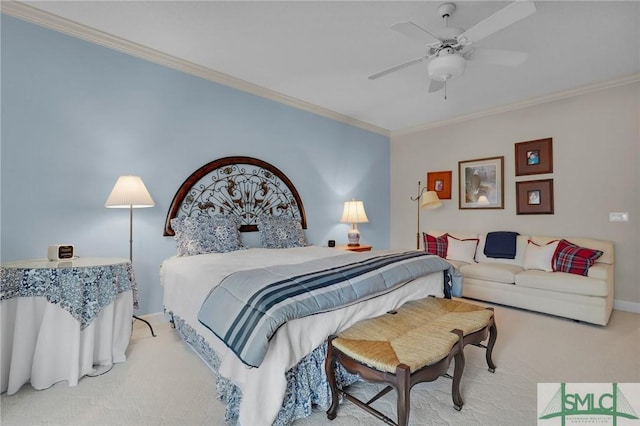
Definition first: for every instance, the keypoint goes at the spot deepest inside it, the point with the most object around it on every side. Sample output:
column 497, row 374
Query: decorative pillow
column 281, row 232
column 206, row 234
column 540, row 257
column 435, row 245
column 574, row 259
column 462, row 250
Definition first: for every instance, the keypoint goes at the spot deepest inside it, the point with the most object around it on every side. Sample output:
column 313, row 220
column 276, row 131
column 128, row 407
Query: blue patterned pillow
column 205, row 234
column 281, row 232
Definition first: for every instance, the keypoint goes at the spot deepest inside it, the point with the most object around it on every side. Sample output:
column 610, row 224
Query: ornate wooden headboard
column 241, row 186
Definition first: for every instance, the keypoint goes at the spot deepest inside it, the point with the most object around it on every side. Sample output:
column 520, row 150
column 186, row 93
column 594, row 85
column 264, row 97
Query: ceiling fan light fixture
column 446, row 67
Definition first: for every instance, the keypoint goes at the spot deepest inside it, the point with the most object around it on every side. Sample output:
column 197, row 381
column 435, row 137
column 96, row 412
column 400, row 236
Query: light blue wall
column 75, row 116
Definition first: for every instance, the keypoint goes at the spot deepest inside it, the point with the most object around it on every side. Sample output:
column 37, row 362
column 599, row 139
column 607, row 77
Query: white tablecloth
column 43, row 344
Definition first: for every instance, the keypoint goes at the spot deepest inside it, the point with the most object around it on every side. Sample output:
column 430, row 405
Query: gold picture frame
column 481, row 183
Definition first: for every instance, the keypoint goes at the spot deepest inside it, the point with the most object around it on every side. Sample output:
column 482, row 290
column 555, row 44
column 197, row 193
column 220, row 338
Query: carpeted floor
column 163, row 382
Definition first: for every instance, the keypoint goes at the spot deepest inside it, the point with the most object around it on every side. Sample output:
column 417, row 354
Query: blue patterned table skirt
column 83, row 291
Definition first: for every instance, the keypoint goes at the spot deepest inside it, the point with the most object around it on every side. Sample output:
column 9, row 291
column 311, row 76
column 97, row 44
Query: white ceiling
column 319, row 53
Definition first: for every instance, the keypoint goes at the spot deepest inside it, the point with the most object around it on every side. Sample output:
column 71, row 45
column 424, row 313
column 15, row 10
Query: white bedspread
column 188, row 280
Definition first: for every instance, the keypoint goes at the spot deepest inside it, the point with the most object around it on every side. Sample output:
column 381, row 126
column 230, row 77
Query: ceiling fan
column 449, row 49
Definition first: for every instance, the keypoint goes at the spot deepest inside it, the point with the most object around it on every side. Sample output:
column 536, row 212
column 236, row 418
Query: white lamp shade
column 129, row 191
column 354, row 212
column 430, row 200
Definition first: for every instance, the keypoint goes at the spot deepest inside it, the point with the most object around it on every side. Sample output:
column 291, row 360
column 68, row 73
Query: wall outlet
column 619, row 217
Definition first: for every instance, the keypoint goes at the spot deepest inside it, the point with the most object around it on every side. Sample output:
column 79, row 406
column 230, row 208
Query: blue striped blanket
column 248, row 307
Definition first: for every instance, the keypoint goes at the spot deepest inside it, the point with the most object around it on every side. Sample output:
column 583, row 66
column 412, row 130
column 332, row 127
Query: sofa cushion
column 457, row 264
column 562, row 282
column 540, row 257
column 574, row 259
column 435, row 245
column 491, row 271
column 461, row 250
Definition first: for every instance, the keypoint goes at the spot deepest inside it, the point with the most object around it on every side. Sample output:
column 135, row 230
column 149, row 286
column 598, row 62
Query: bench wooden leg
column 476, row 339
column 403, row 387
column 329, row 368
column 493, row 335
column 457, row 372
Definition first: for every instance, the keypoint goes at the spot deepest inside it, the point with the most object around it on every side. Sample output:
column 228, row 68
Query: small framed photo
column 440, row 182
column 534, row 157
column 480, row 183
column 534, row 197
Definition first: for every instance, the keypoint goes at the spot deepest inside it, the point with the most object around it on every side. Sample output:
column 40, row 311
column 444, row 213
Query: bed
column 288, row 380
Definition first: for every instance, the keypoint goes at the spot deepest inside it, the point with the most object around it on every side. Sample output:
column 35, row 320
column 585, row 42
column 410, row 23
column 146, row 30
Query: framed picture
column 534, row 157
column 440, row 182
column 534, row 197
column 480, row 183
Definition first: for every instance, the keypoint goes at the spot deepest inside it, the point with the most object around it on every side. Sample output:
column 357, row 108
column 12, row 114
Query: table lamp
column 353, row 213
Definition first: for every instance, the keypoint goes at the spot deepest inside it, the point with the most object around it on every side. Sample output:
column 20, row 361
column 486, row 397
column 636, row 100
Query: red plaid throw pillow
column 435, row 245
column 574, row 259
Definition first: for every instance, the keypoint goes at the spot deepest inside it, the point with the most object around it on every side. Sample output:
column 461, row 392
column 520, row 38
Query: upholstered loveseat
column 533, row 278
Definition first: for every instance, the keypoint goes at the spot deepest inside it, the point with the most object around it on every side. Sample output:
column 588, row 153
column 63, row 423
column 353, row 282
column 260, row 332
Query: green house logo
column 586, row 406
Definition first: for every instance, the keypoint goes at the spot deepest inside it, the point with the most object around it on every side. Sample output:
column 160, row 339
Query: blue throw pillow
column 206, row 234
column 281, row 232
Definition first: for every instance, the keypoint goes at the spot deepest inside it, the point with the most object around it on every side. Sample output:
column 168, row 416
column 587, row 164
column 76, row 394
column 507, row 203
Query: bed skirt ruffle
column 307, row 384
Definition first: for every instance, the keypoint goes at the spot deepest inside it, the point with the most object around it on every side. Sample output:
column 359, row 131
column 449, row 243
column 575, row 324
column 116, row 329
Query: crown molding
column 629, row 79
column 45, row 19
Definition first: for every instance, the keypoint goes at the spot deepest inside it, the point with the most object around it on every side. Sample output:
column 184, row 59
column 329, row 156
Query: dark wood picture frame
column 534, row 196
column 534, row 157
column 440, row 182
column 481, row 183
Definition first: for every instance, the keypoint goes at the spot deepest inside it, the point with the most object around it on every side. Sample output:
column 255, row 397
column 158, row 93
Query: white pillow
column 461, row 250
column 540, row 257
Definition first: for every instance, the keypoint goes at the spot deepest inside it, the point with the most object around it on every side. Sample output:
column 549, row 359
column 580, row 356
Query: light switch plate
column 619, row 217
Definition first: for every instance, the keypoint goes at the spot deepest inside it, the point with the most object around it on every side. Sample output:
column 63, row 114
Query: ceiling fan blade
column 503, row 18
column 415, row 32
column 499, row 57
column 397, row 67
column 435, row 85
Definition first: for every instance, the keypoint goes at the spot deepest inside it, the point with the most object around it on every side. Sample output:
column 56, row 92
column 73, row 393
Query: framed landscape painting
column 481, row 185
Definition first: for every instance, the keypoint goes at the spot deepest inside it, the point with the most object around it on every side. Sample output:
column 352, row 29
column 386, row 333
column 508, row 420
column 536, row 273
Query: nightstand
column 83, row 308
column 355, row 248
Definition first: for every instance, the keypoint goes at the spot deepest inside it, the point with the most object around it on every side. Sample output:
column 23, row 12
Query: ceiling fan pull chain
column 445, row 90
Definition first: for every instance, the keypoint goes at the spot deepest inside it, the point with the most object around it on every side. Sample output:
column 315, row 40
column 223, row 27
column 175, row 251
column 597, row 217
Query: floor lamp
column 430, row 200
column 130, row 193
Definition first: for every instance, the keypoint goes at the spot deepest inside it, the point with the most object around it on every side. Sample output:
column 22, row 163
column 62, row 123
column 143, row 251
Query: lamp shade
column 446, row 66
column 129, row 191
column 354, row 212
column 430, row 200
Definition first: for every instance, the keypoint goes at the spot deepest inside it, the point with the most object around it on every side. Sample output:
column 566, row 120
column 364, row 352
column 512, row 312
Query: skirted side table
column 62, row 318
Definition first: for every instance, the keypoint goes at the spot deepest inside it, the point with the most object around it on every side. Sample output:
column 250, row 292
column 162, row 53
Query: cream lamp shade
column 430, row 200
column 129, row 191
column 354, row 213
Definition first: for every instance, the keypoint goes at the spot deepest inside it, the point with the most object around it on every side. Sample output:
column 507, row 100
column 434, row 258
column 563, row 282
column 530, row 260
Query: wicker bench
column 414, row 344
